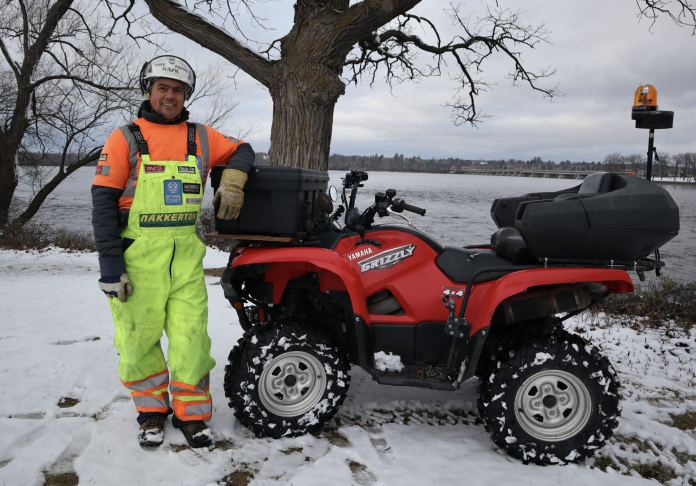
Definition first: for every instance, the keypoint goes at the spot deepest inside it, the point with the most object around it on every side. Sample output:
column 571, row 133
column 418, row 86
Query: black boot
column 151, row 432
column 197, row 433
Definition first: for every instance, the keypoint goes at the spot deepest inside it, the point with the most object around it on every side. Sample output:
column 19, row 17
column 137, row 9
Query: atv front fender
column 480, row 314
column 311, row 259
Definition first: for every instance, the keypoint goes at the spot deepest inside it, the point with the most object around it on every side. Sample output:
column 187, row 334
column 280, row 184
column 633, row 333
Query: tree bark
column 8, row 184
column 303, row 109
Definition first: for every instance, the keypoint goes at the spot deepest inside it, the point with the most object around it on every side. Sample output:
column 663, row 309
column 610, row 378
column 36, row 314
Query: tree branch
column 25, row 25
column 367, row 16
column 10, row 61
column 685, row 16
column 179, row 19
column 34, row 52
column 395, row 48
column 79, row 79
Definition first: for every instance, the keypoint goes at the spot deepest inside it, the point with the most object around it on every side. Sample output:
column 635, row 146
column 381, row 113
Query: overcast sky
column 602, row 53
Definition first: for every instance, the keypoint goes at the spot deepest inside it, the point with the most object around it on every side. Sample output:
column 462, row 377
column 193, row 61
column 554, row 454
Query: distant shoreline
column 676, row 183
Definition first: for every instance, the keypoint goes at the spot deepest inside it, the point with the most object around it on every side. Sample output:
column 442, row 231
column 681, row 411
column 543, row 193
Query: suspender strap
column 191, row 138
column 142, row 144
column 139, row 139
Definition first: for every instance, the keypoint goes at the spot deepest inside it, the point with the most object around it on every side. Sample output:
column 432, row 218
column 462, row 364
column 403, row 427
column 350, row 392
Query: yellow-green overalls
column 165, row 266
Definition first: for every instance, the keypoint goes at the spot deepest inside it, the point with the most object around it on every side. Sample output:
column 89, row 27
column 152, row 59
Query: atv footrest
column 419, row 376
column 401, row 380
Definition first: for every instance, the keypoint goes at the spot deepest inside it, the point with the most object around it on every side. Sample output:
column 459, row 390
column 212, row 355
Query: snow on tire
column 286, row 381
column 551, row 402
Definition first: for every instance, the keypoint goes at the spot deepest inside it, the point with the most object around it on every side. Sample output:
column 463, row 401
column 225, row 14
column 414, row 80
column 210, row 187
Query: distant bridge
column 548, row 174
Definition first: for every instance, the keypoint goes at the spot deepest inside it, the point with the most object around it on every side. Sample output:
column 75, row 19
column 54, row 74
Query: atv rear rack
column 475, row 348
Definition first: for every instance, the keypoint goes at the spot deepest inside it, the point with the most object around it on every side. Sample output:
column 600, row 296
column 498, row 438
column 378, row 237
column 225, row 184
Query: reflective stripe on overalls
column 165, row 266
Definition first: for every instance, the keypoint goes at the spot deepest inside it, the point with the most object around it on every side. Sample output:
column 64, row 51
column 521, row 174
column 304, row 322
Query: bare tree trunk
column 8, row 184
column 303, row 109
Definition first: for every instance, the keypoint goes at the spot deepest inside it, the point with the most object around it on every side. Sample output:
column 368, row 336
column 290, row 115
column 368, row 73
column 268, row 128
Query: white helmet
column 171, row 67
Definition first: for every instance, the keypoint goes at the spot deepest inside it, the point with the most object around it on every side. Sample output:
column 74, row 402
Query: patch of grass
column 292, row 450
column 356, row 466
column 237, row 478
column 224, row 445
column 64, row 479
column 655, row 471
column 67, row 402
column 683, row 457
column 213, row 272
column 180, row 447
column 653, row 305
column 39, row 235
column 684, row 422
column 640, row 445
column 602, row 463
column 334, row 437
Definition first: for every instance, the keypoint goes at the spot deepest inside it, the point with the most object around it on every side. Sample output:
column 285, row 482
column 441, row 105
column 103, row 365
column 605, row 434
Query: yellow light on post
column 646, row 115
column 646, row 96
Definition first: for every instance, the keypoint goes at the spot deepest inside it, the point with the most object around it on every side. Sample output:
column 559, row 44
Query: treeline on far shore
column 681, row 166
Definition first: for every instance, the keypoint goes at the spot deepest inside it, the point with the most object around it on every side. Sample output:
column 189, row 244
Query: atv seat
column 508, row 243
column 460, row 264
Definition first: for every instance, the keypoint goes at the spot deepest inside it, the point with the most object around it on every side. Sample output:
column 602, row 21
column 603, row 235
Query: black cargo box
column 274, row 200
column 607, row 217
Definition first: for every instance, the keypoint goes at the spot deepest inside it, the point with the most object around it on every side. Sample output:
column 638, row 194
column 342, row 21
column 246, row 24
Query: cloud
column 600, row 50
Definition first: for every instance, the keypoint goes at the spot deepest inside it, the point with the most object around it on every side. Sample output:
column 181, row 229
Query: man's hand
column 230, row 194
column 116, row 286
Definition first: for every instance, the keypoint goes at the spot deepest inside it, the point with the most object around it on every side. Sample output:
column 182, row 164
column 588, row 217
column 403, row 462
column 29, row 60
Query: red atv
column 328, row 296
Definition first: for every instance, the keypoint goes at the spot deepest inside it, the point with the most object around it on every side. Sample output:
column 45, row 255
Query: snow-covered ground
column 56, row 342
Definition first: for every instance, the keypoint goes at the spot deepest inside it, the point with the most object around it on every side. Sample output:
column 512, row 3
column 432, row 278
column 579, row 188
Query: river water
column 458, row 207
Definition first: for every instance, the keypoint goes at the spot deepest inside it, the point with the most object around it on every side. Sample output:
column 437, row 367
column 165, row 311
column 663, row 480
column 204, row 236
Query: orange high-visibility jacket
column 119, row 164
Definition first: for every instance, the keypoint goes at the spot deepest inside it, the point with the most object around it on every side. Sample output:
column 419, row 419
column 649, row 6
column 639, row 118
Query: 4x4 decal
column 387, row 259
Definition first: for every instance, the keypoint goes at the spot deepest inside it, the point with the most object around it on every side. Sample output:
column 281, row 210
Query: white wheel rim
column 553, row 405
column 292, row 384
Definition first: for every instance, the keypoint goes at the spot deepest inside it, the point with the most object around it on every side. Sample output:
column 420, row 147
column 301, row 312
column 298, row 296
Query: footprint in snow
column 380, row 444
column 65, row 462
column 383, row 449
column 361, row 474
column 107, row 411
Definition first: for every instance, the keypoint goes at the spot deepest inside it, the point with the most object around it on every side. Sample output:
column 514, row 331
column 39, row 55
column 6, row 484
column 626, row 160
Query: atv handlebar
column 399, row 205
column 385, row 203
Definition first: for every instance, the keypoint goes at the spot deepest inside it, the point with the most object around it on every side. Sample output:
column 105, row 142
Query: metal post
column 651, row 140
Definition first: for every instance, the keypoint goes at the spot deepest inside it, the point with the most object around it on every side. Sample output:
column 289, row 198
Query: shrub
column 39, row 235
column 654, row 305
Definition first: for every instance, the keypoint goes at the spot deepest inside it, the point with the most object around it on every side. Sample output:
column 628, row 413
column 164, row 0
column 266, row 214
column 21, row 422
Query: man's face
column 167, row 97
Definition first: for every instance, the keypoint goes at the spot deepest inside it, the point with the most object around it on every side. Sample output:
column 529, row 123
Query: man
column 147, row 195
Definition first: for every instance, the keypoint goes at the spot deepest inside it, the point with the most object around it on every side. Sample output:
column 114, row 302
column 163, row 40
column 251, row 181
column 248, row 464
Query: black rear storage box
column 274, row 201
column 610, row 217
